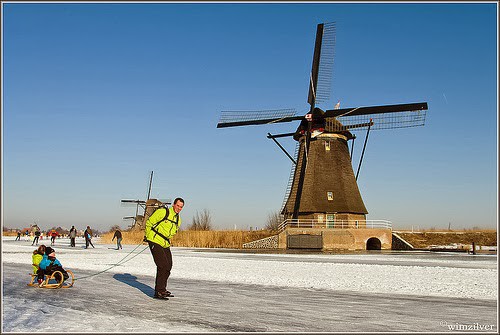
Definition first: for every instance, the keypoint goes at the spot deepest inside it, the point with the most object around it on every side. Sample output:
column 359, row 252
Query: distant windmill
column 322, row 183
column 148, row 206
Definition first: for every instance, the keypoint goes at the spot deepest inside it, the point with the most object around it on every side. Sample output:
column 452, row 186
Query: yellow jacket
column 35, row 260
column 158, row 224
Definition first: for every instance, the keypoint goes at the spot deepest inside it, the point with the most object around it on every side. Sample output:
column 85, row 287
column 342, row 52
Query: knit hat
column 50, row 252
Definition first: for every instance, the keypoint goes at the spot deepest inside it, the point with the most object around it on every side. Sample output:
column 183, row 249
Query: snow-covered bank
column 450, row 276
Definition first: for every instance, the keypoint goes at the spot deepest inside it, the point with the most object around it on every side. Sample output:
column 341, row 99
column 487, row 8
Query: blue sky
column 97, row 95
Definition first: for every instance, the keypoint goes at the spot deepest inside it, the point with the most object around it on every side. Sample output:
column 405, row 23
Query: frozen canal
column 252, row 292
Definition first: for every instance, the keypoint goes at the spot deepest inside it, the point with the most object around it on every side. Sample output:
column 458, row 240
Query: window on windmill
column 327, row 145
column 329, row 195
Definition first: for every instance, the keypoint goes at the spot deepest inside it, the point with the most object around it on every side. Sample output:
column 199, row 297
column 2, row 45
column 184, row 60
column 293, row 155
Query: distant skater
column 118, row 235
column 18, row 238
column 37, row 236
column 88, row 237
column 72, row 236
column 53, row 235
column 160, row 227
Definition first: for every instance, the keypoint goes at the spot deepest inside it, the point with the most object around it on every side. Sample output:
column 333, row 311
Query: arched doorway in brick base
column 373, row 243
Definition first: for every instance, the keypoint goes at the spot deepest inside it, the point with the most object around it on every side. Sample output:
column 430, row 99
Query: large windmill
column 323, row 186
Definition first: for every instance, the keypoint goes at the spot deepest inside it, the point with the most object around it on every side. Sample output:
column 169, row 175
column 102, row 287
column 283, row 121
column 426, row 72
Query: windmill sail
column 246, row 118
column 319, row 90
column 384, row 121
column 420, row 106
column 382, row 117
column 322, row 67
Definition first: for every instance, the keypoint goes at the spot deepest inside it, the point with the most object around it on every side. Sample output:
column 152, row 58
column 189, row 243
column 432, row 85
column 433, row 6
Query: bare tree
column 201, row 221
column 273, row 221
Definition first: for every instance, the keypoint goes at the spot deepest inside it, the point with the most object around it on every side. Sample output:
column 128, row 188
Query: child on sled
column 49, row 264
column 35, row 261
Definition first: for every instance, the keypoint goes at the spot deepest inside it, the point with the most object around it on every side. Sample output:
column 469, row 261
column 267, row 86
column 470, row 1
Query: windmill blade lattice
column 420, row 106
column 246, row 118
column 325, row 71
column 131, row 203
column 379, row 121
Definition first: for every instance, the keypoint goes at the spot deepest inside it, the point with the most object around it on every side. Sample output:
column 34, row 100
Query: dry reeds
column 129, row 237
column 233, row 239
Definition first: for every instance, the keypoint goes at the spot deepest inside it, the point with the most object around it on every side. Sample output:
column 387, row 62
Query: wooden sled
column 50, row 281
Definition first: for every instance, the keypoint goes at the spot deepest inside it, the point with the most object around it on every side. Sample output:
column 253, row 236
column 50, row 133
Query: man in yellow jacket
column 160, row 227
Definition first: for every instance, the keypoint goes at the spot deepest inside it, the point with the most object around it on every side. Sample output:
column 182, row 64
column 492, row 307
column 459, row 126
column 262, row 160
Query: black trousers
column 163, row 260
column 51, row 269
column 40, row 274
column 72, row 241
column 87, row 241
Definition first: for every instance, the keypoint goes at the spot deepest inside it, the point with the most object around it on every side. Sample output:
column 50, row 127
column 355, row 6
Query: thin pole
column 150, row 182
column 352, row 146
column 281, row 147
column 364, row 146
column 302, row 174
column 136, row 212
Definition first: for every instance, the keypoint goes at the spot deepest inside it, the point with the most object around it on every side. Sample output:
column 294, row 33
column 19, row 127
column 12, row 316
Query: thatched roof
column 327, row 171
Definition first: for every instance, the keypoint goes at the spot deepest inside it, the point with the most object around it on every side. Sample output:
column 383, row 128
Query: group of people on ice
column 35, row 234
column 87, row 234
